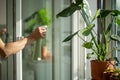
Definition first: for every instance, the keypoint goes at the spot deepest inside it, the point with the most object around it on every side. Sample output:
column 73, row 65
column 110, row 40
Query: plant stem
column 87, row 21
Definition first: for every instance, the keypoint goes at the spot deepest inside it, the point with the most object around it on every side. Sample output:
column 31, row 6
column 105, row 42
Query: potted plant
column 107, row 73
column 37, row 19
column 115, row 75
column 112, row 74
column 99, row 46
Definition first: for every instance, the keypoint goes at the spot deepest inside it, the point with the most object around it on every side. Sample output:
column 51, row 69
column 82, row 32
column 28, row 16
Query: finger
column 43, row 34
column 42, row 30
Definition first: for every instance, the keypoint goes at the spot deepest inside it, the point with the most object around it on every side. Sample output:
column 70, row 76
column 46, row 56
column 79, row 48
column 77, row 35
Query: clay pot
column 106, row 75
column 98, row 67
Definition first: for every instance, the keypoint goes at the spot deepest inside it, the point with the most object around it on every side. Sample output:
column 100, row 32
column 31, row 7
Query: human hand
column 39, row 32
column 46, row 54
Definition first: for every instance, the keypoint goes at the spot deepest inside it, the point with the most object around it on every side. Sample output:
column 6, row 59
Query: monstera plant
column 99, row 46
column 37, row 19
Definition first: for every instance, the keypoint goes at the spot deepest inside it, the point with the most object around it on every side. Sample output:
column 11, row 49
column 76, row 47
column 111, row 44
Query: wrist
column 30, row 39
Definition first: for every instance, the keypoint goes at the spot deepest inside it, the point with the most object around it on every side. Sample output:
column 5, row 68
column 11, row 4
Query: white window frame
column 80, row 65
column 18, row 35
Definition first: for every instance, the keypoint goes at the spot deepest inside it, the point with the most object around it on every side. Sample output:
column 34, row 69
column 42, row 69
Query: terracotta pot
column 98, row 67
column 106, row 75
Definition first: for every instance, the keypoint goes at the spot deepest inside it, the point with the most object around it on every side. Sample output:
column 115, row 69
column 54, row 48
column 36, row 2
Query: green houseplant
column 112, row 74
column 99, row 46
column 38, row 19
column 115, row 75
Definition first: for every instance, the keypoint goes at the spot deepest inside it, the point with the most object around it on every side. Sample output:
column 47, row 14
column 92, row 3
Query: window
column 117, row 30
column 7, row 66
column 60, row 68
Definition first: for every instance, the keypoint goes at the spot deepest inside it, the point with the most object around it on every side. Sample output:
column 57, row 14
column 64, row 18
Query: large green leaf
column 68, row 11
column 108, row 28
column 79, row 2
column 118, row 21
column 43, row 17
column 117, row 61
column 96, row 15
column 105, row 13
column 115, row 37
column 40, row 16
column 89, row 55
column 70, row 37
column 86, row 31
column 115, row 12
column 88, row 45
column 31, row 26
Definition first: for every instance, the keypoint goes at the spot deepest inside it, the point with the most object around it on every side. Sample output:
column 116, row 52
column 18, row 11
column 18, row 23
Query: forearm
column 13, row 47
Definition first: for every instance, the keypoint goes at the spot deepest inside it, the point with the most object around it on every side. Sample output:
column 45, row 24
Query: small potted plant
column 37, row 19
column 107, row 73
column 99, row 46
column 115, row 75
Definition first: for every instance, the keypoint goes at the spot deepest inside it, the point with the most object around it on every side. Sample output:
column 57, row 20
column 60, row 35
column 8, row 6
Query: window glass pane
column 62, row 50
column 35, row 65
column 6, row 22
column 3, row 64
column 118, row 28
